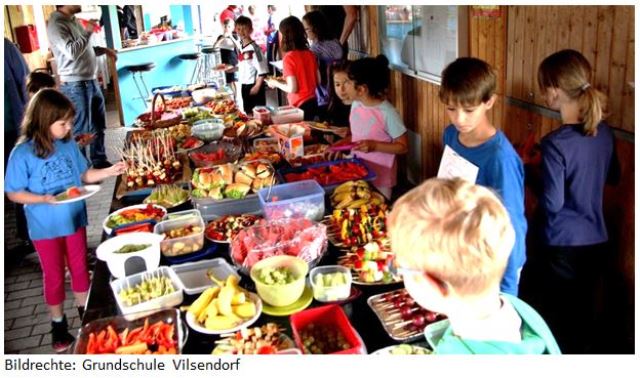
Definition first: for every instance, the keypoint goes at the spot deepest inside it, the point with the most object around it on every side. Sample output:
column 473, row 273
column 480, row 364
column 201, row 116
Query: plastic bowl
column 330, row 293
column 281, row 295
column 232, row 153
column 208, row 130
column 117, row 261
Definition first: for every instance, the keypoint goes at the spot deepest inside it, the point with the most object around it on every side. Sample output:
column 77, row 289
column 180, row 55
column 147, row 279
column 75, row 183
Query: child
column 45, row 162
column 228, row 52
column 577, row 159
column 339, row 106
column 252, row 67
column 452, row 240
column 376, row 126
column 467, row 90
column 327, row 50
column 300, row 69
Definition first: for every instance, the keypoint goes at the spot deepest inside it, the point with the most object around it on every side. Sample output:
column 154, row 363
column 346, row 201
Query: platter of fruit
column 191, row 115
column 403, row 349
column 400, row 315
column 133, row 214
column 356, row 227
column 222, row 107
column 167, row 196
column 224, row 229
column 330, row 173
column 273, row 157
column 268, row 339
column 353, row 194
column 177, row 103
column 189, row 143
column 215, row 153
column 231, row 181
column 371, row 264
column 76, row 193
column 224, row 308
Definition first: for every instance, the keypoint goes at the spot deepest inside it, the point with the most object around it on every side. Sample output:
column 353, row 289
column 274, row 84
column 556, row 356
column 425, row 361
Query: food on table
column 157, row 338
column 161, row 119
column 273, row 157
column 266, row 145
column 306, row 160
column 175, row 103
column 150, row 163
column 267, row 339
column 192, row 115
column 221, row 107
column 353, row 194
column 356, row 227
column 330, row 279
column 227, row 227
column 332, row 285
column 230, row 181
column 330, row 174
column 71, row 192
column 138, row 227
column 276, row 276
column 292, row 236
column 135, row 215
column 215, row 154
column 130, row 248
column 322, row 339
column 181, row 232
column 401, row 316
column 224, row 306
column 244, row 129
column 190, row 143
column 371, row 263
column 150, row 288
column 181, row 247
column 167, row 196
column 406, row 349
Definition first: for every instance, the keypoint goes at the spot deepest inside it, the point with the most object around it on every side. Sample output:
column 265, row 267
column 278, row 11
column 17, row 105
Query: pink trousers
column 52, row 254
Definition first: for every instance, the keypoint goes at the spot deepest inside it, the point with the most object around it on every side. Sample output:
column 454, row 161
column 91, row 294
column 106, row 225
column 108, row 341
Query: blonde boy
column 452, row 240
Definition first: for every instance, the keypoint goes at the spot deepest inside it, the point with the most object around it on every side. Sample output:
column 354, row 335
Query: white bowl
column 207, row 130
column 108, row 230
column 193, row 323
column 116, row 261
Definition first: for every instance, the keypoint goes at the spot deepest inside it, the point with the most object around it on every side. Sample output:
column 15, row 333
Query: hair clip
column 585, row 86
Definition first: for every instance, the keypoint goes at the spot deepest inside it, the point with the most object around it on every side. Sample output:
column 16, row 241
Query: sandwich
column 263, row 171
column 243, row 178
column 226, row 171
column 216, row 193
column 207, row 179
column 236, row 191
column 249, row 170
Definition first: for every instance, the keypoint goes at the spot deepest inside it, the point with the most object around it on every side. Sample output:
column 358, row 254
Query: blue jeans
column 88, row 101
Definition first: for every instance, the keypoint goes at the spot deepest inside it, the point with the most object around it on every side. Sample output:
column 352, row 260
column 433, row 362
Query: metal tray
column 399, row 334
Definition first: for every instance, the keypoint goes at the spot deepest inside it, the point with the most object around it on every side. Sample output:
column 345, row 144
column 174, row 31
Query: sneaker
column 61, row 339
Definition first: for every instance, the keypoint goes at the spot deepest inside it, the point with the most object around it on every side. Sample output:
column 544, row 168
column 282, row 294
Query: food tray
column 108, row 230
column 184, row 178
column 297, row 199
column 181, row 245
column 327, row 188
column 215, row 210
column 120, row 323
column 345, row 261
column 378, row 302
column 232, row 152
column 203, row 254
column 145, row 308
column 193, row 275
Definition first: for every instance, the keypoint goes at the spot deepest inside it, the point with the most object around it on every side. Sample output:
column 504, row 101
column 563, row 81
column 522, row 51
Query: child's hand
column 366, row 146
column 270, row 83
column 48, row 198
column 116, row 169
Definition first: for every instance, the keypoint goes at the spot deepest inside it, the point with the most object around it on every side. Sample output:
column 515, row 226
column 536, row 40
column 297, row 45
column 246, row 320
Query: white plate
column 193, row 323
column 108, row 230
column 387, row 350
column 88, row 190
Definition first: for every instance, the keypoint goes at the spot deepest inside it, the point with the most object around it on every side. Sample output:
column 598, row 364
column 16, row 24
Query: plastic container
column 182, row 214
column 145, row 308
column 297, row 199
column 232, row 152
column 280, row 295
column 108, row 229
column 330, row 293
column 262, row 114
column 266, row 145
column 182, row 245
column 203, row 254
column 120, row 323
column 287, row 114
column 212, row 210
column 193, row 275
column 208, row 130
column 121, row 264
column 328, row 188
column 329, row 316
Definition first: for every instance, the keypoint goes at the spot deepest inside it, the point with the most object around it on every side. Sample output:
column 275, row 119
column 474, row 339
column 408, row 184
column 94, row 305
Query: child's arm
column 28, row 198
column 397, row 147
column 291, row 86
column 256, row 87
column 92, row 175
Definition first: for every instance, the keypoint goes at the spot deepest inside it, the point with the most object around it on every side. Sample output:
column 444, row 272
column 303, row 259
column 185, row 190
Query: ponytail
column 592, row 109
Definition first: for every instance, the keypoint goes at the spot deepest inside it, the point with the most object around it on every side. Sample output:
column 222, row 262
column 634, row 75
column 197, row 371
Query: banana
column 224, row 299
column 238, row 298
column 203, row 300
column 211, row 310
column 379, row 197
column 363, row 192
column 344, row 187
column 220, row 322
column 345, row 202
column 245, row 310
column 336, row 199
column 357, row 203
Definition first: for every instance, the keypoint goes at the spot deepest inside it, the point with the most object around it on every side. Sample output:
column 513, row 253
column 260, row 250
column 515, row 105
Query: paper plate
column 87, row 191
column 193, row 323
column 299, row 305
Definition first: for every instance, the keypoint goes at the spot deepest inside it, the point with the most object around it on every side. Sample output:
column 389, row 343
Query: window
column 422, row 40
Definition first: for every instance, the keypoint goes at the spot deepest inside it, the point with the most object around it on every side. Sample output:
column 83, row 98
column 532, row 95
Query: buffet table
column 101, row 302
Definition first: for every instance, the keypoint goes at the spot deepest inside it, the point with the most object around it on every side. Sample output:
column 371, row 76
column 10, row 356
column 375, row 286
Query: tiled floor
column 26, row 320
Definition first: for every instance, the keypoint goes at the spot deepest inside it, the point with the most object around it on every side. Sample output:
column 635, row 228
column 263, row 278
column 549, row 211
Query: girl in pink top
column 376, row 126
column 300, row 68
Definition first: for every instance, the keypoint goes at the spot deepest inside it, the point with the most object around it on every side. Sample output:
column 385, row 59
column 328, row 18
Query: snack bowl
column 280, row 294
column 117, row 261
column 338, row 279
column 106, row 224
column 229, row 152
column 208, row 130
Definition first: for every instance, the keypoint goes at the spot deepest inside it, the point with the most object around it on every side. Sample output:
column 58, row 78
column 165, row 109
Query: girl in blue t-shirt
column 47, row 161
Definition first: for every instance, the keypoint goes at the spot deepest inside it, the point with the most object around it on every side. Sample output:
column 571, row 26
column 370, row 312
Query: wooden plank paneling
column 603, row 47
column 628, row 96
column 518, row 59
column 563, row 23
column 618, row 60
column 529, row 46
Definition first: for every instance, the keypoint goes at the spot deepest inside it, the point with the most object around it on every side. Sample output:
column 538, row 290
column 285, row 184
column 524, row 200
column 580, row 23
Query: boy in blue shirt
column 468, row 92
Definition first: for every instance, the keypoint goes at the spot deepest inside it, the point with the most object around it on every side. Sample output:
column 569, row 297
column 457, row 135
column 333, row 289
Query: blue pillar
column 111, row 26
